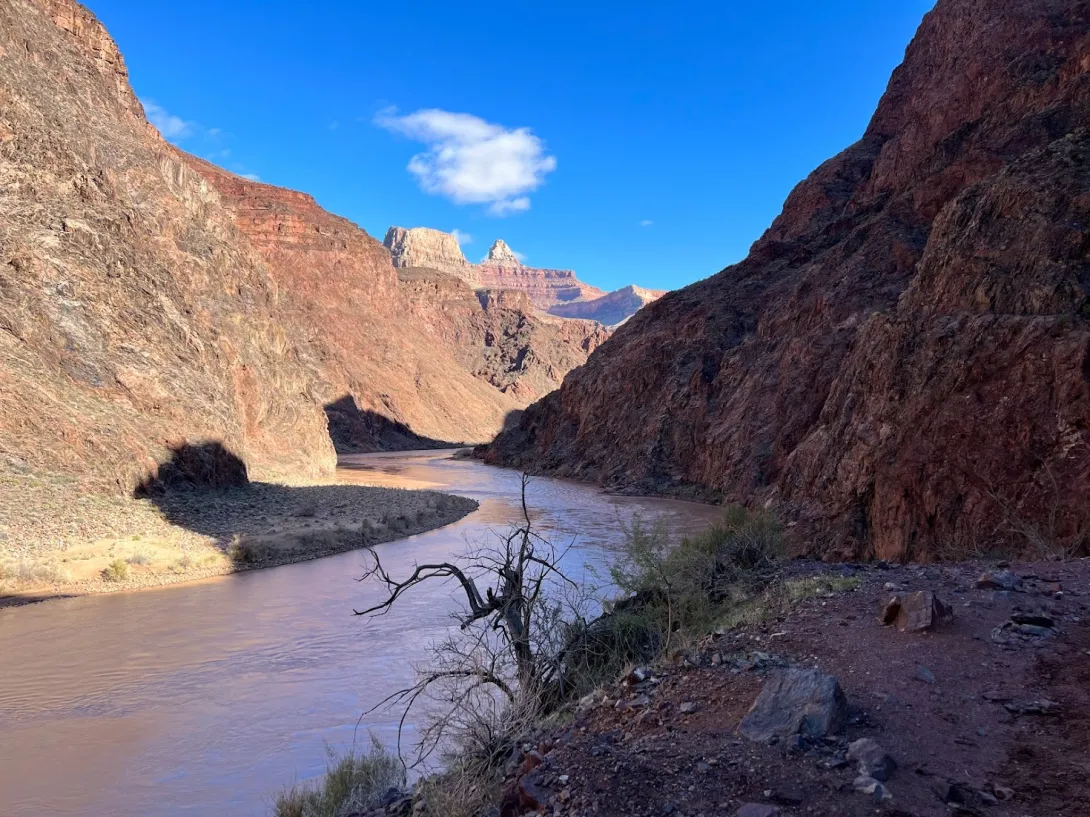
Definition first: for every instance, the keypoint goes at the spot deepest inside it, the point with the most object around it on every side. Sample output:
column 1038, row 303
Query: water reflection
column 202, row 699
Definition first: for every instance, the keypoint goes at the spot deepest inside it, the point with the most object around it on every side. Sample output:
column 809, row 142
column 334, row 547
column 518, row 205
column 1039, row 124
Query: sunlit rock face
column 556, row 291
column 149, row 299
column 902, row 363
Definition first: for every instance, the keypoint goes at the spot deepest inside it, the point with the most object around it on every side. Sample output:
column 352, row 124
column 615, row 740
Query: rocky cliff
column 902, row 364
column 132, row 316
column 343, row 289
column 149, row 299
column 497, row 335
column 558, row 292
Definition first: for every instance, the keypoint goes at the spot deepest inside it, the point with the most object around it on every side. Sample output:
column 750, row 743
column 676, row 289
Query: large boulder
column 916, row 612
column 796, row 701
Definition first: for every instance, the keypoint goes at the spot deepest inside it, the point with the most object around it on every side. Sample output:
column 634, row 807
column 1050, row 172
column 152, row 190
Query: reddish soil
column 940, row 703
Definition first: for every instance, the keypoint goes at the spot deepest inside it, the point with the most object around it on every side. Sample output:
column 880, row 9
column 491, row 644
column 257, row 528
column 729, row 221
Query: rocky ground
column 982, row 712
column 102, row 543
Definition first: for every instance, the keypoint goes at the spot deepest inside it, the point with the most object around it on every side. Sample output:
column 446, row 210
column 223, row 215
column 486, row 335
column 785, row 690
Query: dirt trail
column 982, row 716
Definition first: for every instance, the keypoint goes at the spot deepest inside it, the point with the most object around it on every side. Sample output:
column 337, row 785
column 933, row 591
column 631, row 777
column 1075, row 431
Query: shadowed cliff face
column 903, row 361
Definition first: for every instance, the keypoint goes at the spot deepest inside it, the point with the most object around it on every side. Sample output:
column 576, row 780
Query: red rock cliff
column 132, row 314
column 148, row 298
column 903, row 361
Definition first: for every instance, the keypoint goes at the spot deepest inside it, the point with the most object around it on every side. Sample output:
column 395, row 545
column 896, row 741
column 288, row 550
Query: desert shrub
column 353, row 783
column 139, row 558
column 679, row 591
column 482, row 739
column 116, row 571
column 244, row 551
column 29, row 571
column 599, row 651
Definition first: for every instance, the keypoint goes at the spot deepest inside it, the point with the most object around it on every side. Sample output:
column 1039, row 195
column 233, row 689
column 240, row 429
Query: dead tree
column 520, row 575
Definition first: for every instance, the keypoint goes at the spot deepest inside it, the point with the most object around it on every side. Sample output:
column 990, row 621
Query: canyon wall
column 343, row 289
column 149, row 299
column 132, row 316
column 902, row 363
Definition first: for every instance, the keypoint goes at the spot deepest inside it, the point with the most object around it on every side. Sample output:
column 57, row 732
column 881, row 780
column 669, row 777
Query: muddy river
column 205, row 698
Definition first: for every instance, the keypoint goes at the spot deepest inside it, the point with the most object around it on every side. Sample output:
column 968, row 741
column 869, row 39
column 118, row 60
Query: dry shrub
column 116, row 571
column 680, row 591
column 30, row 572
column 353, row 783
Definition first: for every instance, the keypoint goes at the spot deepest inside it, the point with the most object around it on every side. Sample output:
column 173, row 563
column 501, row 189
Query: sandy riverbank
column 56, row 542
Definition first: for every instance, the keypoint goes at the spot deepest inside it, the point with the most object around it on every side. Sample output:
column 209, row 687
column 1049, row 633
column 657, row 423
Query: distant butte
column 557, row 292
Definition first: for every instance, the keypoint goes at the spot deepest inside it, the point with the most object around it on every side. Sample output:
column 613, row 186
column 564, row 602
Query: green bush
column 116, row 571
column 353, row 783
column 684, row 589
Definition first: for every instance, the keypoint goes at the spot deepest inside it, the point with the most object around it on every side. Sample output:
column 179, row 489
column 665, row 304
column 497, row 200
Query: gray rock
column 796, row 701
column 873, row 761
column 687, row 708
column 998, row 580
column 868, row 785
column 757, row 810
column 924, row 674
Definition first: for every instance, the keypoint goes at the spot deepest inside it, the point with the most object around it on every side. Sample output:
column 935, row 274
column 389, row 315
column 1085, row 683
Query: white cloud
column 251, row 176
column 169, row 125
column 460, row 237
column 506, row 206
column 471, row 161
column 646, row 222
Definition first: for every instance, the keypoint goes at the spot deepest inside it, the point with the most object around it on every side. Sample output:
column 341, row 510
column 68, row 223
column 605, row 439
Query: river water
column 205, row 698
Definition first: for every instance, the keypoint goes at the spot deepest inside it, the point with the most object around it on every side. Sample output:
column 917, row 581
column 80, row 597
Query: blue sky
column 646, row 143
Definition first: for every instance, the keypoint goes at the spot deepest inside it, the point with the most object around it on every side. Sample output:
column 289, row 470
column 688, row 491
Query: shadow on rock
column 357, row 431
column 203, row 465
column 205, row 489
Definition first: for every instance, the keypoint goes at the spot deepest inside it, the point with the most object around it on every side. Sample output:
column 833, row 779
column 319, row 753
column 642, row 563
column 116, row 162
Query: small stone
column 872, row 760
column 757, row 810
column 949, row 793
column 1041, row 706
column 638, row 676
column 998, row 580
column 687, row 708
column 924, row 674
column 787, row 795
column 868, row 785
column 1003, row 793
column 889, row 586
